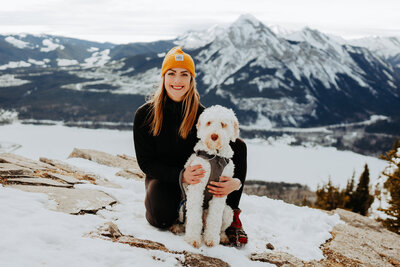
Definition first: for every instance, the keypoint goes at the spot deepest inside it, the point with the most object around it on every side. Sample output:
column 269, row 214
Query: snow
column 264, row 125
column 279, row 30
column 62, row 62
column 92, row 49
column 8, row 116
column 196, row 39
column 15, row 64
column 312, row 166
column 142, row 83
column 54, row 238
column 97, row 58
column 317, row 56
column 16, row 42
column 64, row 139
column 383, row 46
column 8, row 80
column 38, row 62
column 49, row 45
column 33, row 235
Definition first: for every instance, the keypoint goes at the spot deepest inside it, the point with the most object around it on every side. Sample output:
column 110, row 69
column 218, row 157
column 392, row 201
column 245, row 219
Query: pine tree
column 361, row 199
column 348, row 193
column 328, row 197
column 392, row 185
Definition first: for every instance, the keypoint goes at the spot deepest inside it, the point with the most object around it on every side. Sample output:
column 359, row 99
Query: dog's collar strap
column 217, row 164
column 221, row 160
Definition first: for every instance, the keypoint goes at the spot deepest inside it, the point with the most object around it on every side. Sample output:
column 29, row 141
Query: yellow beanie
column 176, row 58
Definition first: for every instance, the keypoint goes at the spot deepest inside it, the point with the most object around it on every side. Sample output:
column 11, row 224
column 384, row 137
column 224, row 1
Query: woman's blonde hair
column 191, row 103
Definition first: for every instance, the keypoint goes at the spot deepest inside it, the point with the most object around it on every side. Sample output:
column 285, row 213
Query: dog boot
column 236, row 235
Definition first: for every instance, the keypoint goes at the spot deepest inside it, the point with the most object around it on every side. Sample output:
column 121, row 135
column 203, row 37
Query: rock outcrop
column 110, row 231
column 57, row 182
column 359, row 241
column 362, row 240
column 129, row 165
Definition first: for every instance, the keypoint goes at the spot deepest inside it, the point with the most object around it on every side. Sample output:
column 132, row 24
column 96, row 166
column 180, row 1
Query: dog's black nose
column 214, row 137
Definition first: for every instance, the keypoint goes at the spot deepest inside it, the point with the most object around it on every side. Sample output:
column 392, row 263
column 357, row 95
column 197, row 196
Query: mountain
column 307, row 82
column 289, row 79
column 26, row 50
column 386, row 47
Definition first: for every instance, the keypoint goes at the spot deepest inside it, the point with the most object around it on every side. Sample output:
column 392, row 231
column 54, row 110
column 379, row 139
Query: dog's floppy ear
column 198, row 124
column 235, row 130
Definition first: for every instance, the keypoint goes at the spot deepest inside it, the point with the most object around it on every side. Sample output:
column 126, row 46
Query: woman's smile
column 177, row 87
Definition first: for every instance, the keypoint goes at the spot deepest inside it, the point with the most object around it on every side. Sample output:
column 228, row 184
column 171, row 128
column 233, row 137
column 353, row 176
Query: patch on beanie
column 178, row 57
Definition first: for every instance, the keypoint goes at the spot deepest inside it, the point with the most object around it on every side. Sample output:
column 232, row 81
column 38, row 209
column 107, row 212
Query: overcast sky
column 123, row 21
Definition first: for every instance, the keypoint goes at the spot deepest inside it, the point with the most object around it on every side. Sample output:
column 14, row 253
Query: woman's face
column 177, row 83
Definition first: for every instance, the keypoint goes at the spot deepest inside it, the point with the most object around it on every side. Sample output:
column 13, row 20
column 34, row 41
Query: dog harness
column 217, row 164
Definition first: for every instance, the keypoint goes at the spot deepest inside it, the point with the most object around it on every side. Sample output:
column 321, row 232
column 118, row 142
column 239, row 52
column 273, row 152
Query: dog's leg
column 227, row 218
column 214, row 221
column 194, row 213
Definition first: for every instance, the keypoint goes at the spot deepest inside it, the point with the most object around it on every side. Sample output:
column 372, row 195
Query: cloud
column 122, row 21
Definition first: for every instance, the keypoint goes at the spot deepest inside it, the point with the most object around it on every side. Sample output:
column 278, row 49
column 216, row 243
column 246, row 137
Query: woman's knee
column 162, row 201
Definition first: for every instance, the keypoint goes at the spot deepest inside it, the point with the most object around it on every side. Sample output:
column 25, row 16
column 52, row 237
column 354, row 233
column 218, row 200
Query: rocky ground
column 359, row 241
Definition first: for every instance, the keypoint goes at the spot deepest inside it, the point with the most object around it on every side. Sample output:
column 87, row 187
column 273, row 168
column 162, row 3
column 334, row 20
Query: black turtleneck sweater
column 164, row 156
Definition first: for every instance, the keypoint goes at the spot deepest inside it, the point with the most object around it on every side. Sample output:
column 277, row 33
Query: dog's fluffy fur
column 222, row 122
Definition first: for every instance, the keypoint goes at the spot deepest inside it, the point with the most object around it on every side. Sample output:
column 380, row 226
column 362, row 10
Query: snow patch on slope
column 9, row 80
column 62, row 62
column 97, row 58
column 15, row 64
column 143, row 83
column 383, row 46
column 16, row 42
column 49, row 45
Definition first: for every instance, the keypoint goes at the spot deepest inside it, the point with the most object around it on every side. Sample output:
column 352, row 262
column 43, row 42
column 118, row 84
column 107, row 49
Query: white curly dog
column 216, row 127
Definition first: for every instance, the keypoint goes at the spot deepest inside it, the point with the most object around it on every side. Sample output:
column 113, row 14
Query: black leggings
column 162, row 199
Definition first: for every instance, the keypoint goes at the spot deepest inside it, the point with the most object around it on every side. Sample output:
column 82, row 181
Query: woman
column 164, row 137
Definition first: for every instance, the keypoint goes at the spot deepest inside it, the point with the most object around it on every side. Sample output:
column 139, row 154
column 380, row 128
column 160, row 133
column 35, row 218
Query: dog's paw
column 209, row 243
column 177, row 228
column 193, row 242
column 224, row 240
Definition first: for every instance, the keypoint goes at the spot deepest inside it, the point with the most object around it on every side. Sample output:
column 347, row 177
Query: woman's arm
column 145, row 150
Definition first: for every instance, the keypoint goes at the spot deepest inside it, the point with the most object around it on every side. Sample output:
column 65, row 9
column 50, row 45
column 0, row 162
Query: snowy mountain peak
column 318, row 40
column 309, row 35
column 383, row 46
column 279, row 30
column 196, row 39
column 249, row 31
column 248, row 18
column 246, row 28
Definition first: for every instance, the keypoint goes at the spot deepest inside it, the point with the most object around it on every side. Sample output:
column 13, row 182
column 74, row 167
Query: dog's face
column 217, row 126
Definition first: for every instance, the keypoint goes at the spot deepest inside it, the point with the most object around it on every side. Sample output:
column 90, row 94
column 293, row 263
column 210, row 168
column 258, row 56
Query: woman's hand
column 224, row 187
column 193, row 174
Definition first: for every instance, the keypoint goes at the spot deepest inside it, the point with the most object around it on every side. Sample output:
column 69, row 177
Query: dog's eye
column 223, row 125
column 208, row 123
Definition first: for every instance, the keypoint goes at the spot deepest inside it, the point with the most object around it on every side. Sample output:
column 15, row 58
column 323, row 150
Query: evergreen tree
column 328, row 197
column 392, row 185
column 348, row 193
column 361, row 199
column 305, row 202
